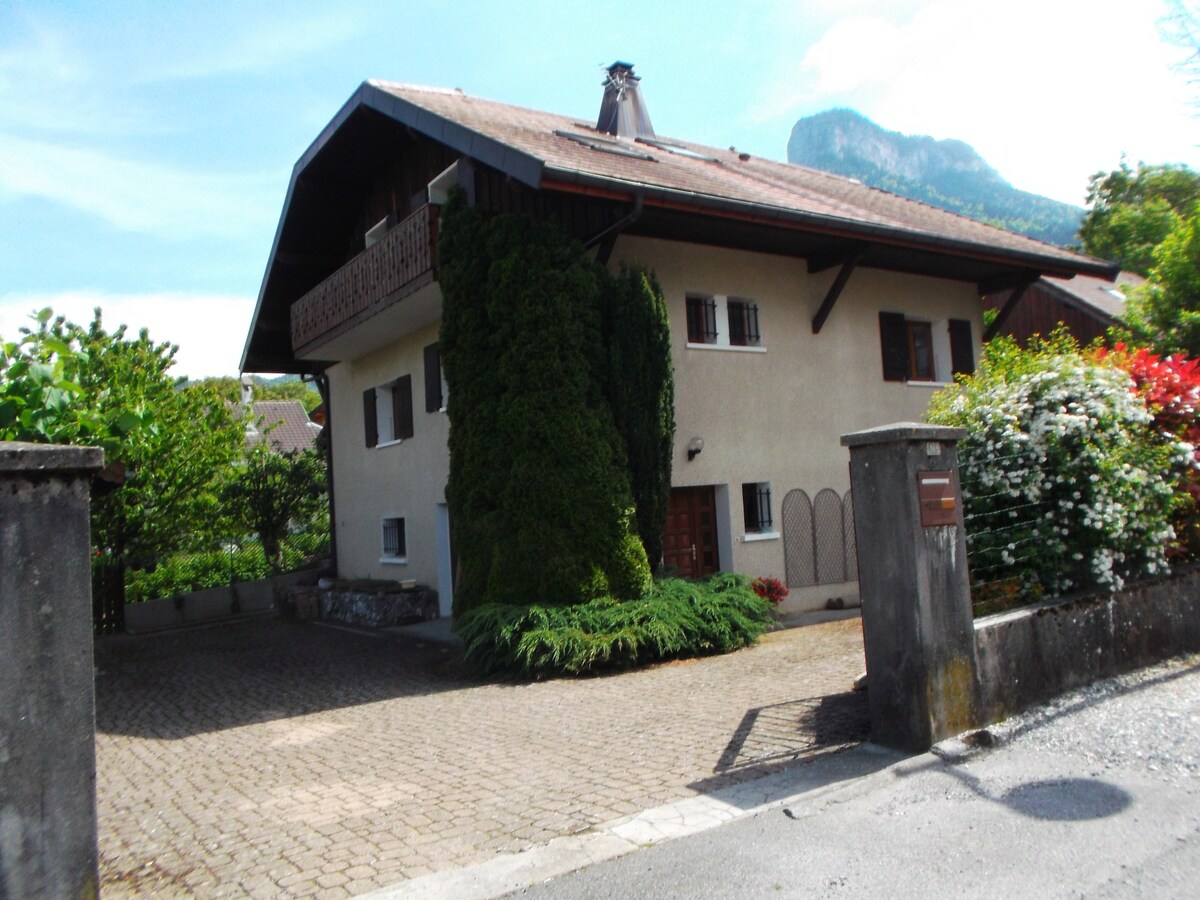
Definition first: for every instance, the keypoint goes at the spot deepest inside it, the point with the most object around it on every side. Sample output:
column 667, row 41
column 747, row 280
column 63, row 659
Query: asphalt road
column 1094, row 795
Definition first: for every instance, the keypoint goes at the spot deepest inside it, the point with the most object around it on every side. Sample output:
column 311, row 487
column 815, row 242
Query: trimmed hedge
column 675, row 619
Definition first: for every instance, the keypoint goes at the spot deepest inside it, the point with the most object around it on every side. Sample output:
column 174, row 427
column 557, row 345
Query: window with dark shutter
column 433, row 379
column 402, row 408
column 370, row 423
column 893, row 338
column 962, row 347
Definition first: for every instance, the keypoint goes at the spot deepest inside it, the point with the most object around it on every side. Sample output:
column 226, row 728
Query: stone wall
column 1029, row 655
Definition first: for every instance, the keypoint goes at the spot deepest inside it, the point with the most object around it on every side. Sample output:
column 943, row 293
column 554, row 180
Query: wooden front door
column 690, row 541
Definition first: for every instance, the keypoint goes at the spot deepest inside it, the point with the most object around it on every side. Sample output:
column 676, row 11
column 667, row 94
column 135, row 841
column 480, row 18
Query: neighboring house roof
column 1087, row 306
column 1100, row 297
column 285, row 424
column 675, row 189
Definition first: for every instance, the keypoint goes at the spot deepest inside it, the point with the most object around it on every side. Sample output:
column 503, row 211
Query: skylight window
column 604, row 144
column 677, row 149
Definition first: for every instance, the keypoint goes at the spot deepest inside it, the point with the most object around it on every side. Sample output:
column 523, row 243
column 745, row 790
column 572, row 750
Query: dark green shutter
column 893, row 339
column 370, row 424
column 402, row 408
column 433, row 379
column 962, row 347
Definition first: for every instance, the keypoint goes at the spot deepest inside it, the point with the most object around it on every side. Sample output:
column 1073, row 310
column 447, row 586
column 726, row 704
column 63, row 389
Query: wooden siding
column 1040, row 312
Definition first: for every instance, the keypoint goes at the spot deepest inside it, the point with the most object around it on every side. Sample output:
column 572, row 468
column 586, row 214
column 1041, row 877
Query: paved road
column 1095, row 795
column 270, row 759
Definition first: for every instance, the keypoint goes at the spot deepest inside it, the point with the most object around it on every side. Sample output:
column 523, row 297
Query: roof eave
column 838, row 225
column 523, row 167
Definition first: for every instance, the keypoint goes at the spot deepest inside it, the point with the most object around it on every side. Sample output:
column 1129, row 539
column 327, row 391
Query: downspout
column 321, row 380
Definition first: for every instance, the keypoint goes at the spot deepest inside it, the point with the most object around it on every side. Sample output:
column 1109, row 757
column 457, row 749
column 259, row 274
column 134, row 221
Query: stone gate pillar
column 918, row 631
column 47, row 700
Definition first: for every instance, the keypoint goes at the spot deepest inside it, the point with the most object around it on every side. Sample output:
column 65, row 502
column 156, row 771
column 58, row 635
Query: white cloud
column 210, row 329
column 1048, row 91
column 140, row 196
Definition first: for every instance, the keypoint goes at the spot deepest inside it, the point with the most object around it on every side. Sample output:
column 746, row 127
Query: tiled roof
column 285, row 424
column 698, row 175
column 1096, row 293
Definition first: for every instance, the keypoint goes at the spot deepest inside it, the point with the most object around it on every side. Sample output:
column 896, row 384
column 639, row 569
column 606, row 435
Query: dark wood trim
column 1006, row 310
column 835, row 290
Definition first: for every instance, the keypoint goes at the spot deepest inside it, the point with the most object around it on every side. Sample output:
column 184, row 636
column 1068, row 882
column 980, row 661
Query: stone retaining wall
column 1029, row 655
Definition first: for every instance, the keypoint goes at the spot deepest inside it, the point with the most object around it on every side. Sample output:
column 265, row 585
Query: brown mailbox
column 935, row 493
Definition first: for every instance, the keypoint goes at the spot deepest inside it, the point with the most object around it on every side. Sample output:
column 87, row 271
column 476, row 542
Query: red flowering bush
column 1170, row 387
column 770, row 589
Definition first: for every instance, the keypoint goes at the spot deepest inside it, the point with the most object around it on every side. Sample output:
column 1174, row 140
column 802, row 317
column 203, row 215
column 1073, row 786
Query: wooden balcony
column 402, row 262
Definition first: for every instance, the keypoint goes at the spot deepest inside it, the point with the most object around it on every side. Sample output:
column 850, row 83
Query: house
column 1087, row 305
column 283, row 423
column 803, row 305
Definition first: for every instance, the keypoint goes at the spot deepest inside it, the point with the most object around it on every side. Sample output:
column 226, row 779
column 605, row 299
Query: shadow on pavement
column 174, row 685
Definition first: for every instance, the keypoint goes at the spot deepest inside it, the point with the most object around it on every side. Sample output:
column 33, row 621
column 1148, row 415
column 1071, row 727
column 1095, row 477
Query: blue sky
column 145, row 147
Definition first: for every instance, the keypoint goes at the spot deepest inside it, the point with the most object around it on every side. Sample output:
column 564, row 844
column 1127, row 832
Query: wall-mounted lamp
column 695, row 445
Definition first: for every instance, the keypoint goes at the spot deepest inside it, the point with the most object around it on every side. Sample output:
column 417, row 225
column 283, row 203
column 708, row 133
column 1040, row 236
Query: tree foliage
column 540, row 496
column 230, row 389
column 641, row 394
column 1065, row 479
column 1165, row 312
column 270, row 492
column 1132, row 211
column 71, row 384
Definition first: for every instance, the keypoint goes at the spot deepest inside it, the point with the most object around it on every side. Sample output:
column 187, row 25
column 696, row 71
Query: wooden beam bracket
column 848, row 264
column 1006, row 310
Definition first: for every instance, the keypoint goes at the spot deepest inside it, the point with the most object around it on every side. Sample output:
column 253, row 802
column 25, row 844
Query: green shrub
column 182, row 573
column 674, row 619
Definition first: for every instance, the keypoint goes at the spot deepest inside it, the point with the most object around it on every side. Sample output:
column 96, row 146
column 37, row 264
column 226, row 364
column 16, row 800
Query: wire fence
column 232, row 561
column 1004, row 530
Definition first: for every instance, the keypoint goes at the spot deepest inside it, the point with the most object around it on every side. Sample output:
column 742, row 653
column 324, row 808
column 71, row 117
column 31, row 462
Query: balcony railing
column 402, row 261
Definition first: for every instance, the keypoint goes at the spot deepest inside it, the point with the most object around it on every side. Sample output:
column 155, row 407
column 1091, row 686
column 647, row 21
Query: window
column 395, row 546
column 920, row 351
column 756, row 507
column 705, row 311
column 925, row 351
column 387, row 412
column 743, row 323
column 702, row 320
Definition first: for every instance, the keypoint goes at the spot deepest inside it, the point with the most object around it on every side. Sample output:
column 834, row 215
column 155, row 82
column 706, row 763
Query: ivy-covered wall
column 541, row 497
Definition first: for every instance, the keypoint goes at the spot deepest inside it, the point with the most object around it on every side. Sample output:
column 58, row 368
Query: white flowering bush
column 1066, row 485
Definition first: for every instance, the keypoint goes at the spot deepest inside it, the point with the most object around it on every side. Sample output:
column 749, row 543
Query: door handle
column 693, row 552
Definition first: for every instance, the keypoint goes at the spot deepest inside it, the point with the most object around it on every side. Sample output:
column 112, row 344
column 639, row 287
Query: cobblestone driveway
column 271, row 759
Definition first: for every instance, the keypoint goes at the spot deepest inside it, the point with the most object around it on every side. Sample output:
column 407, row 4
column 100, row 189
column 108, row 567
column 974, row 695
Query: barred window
column 743, row 323
column 756, row 507
column 395, row 547
column 702, row 320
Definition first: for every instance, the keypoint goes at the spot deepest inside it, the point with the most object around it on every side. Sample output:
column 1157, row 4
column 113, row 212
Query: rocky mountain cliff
column 944, row 173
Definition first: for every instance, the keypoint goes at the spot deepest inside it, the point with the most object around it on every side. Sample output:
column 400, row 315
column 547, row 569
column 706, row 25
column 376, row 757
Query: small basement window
column 756, row 507
column 395, row 545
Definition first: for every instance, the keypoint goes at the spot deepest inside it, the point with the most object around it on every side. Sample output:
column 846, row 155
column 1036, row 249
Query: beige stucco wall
column 776, row 416
column 404, row 479
column 773, row 416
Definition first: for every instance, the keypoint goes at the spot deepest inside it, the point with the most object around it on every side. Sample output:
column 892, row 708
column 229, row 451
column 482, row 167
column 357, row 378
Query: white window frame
column 397, row 558
column 722, row 324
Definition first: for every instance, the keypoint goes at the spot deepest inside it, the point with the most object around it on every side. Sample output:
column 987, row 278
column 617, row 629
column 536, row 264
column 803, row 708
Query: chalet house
column 1087, row 305
column 803, row 305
